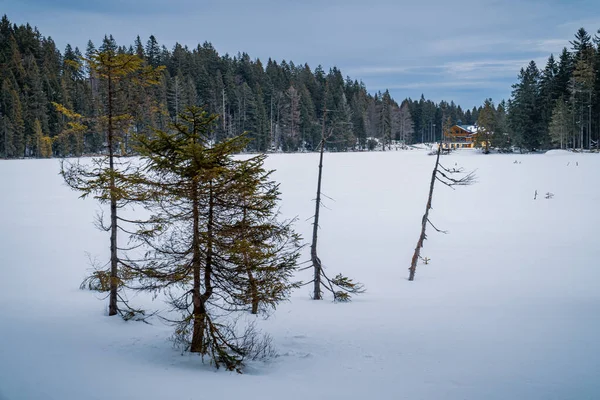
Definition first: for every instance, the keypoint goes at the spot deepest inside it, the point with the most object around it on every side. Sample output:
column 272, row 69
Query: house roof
column 468, row 128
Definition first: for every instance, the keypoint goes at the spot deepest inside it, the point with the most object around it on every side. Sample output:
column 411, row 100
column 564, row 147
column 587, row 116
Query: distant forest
column 279, row 105
column 559, row 106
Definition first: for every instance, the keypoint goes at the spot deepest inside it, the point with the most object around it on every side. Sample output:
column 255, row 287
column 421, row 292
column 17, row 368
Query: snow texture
column 507, row 308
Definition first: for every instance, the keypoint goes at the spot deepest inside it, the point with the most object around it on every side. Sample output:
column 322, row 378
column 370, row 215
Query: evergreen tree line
column 280, row 105
column 559, row 106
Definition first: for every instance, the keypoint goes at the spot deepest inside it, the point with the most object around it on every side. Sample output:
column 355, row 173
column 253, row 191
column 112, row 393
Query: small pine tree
column 215, row 243
column 262, row 247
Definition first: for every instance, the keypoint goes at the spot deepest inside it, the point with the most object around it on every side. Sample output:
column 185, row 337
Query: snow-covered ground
column 507, row 308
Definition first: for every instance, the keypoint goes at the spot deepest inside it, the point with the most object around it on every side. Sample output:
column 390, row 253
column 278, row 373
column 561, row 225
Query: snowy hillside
column 507, row 308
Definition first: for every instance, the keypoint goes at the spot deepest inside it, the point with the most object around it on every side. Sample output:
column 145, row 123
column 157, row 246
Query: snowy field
column 507, row 308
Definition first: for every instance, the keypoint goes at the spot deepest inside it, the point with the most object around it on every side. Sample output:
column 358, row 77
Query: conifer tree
column 403, row 126
column 359, row 117
column 7, row 127
column 215, row 243
column 46, row 147
column 152, row 51
column 38, row 138
column 548, row 96
column 486, row 126
column 105, row 179
column 15, row 115
column 260, row 122
column 35, row 106
column 524, row 115
column 501, row 138
column 291, row 119
column 564, row 72
column 561, row 124
column 583, row 84
column 385, row 124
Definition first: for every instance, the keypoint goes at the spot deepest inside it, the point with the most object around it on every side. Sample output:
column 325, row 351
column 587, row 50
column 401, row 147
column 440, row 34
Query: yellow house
column 460, row 137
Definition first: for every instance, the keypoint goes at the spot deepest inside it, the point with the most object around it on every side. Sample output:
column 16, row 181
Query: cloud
column 455, row 84
column 467, row 69
column 471, row 49
column 549, row 46
column 374, row 70
column 590, row 23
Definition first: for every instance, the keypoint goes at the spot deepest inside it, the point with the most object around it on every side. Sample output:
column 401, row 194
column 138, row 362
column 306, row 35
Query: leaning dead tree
column 340, row 286
column 447, row 177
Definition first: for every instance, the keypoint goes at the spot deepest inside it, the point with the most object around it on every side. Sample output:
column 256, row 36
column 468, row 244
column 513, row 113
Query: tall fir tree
column 524, row 114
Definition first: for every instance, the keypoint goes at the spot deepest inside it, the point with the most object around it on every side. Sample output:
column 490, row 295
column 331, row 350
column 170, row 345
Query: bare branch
column 439, row 230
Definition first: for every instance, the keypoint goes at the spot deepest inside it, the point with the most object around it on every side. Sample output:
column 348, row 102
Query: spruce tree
column 547, row 97
column 291, row 119
column 561, row 124
column 563, row 75
column 583, row 80
column 501, row 138
column 385, row 124
column 215, row 243
column 524, row 113
column 596, row 92
column 7, row 128
column 486, row 126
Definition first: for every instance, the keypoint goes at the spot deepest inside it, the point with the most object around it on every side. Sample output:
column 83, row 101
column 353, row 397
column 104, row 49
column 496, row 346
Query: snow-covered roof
column 469, row 128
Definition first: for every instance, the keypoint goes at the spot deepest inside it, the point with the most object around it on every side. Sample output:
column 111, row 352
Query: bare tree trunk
column 590, row 121
column 573, row 112
column 113, row 308
column 200, row 313
column 253, row 287
column 253, row 292
column 313, row 248
column 422, row 236
column 271, row 118
column 198, row 325
column 581, row 127
column 224, row 117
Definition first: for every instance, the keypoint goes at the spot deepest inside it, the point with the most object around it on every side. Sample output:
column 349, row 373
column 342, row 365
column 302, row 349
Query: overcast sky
column 462, row 50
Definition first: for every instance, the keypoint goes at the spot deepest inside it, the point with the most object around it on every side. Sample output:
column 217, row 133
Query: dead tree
column 340, row 286
column 443, row 175
column 316, row 262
